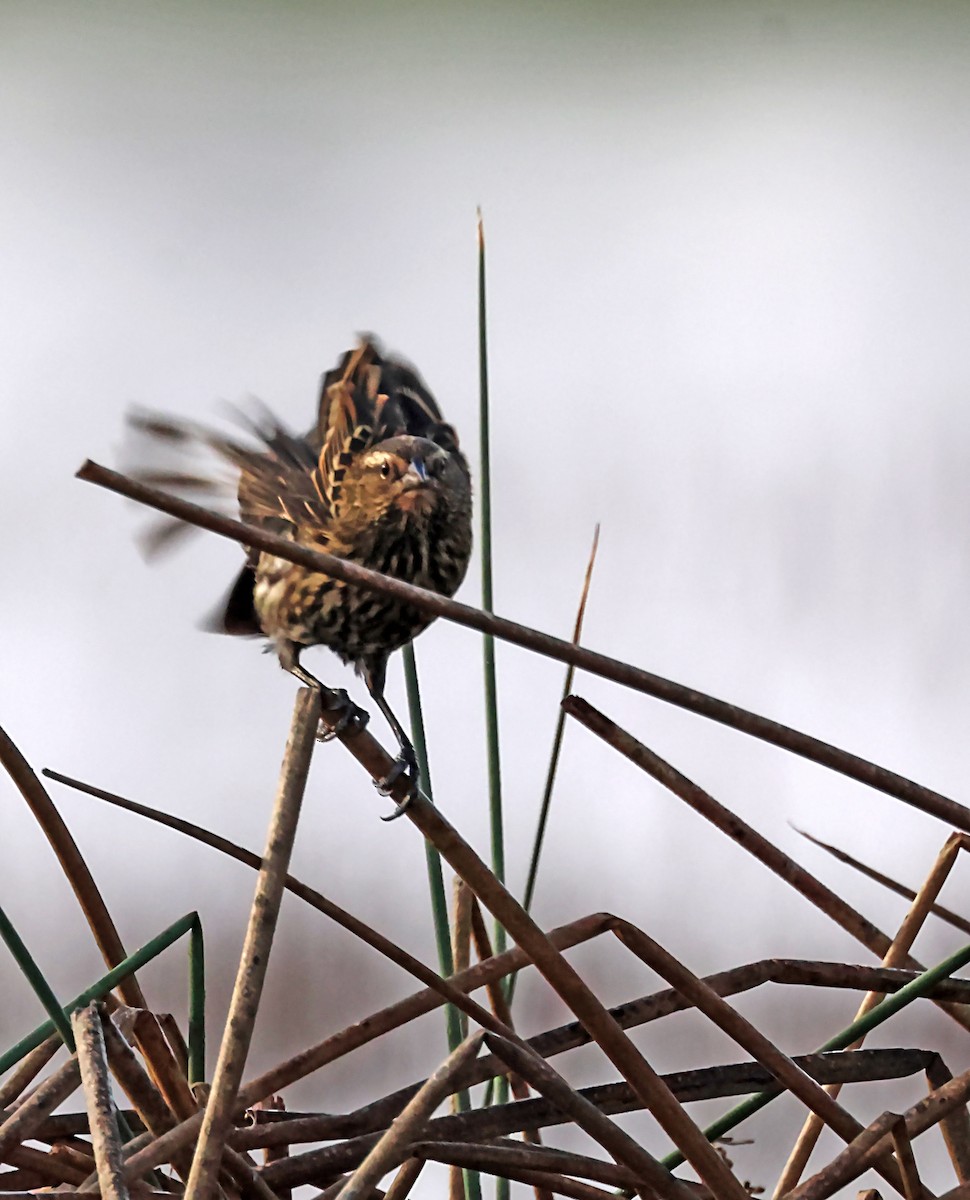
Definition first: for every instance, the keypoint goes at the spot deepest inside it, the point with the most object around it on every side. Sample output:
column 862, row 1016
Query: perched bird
column 379, row 480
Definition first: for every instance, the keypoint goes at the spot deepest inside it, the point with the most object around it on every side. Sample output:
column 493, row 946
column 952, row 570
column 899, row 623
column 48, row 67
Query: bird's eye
column 385, row 470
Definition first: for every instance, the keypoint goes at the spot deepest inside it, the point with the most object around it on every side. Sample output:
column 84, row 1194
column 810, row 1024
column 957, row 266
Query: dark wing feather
column 285, row 480
column 276, row 479
column 366, row 399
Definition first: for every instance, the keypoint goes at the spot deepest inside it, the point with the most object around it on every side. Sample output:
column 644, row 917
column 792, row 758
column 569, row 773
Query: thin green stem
column 496, row 823
column 530, row 883
column 436, row 884
column 488, row 642
column 133, row 962
column 196, row 1004
column 59, row 1019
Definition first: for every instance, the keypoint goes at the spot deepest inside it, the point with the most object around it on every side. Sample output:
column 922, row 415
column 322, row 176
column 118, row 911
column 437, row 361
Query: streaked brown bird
column 379, row 480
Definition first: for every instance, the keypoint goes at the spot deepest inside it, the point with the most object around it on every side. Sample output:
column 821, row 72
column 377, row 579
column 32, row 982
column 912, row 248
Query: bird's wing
column 351, row 404
column 366, row 399
column 275, row 486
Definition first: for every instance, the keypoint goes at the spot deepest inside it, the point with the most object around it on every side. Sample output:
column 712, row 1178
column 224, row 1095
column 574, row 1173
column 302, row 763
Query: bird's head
column 411, row 475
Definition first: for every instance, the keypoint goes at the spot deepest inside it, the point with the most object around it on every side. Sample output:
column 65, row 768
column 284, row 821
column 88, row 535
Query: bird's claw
column 351, row 720
column 402, row 765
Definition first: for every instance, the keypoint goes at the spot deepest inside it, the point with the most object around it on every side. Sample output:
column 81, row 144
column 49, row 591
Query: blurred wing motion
column 286, row 479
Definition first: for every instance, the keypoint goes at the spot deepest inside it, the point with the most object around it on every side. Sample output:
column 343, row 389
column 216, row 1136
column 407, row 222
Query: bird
column 379, row 479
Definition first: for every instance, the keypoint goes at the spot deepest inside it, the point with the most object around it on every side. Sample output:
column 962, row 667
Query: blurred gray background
column 729, row 273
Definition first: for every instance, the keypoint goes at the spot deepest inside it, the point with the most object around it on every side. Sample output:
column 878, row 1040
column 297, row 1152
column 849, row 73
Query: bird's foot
column 405, row 764
column 351, row 719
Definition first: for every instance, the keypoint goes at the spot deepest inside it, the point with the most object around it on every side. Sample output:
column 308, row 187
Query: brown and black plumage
column 379, row 480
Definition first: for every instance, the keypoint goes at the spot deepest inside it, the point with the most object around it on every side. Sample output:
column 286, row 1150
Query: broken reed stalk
column 945, row 914
column 102, row 1120
column 901, row 945
column 221, row 1104
column 629, row 676
column 876, row 1139
column 955, row 1125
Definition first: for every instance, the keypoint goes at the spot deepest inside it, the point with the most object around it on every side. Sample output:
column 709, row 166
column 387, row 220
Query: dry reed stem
column 500, row 1004
column 559, row 1185
column 28, row 1069
column 955, row 1126
column 892, row 885
column 91, row 1057
column 280, row 1150
column 405, row 1179
column 699, row 1084
column 314, row 1166
column 875, row 1139
column 583, row 1002
column 82, row 883
column 735, row 1079
column 483, row 948
column 491, row 1158
column 901, row 945
column 395, row 1015
column 551, row 647
column 740, row 1030
column 73, row 865
column 246, row 1176
column 24, row 1121
column 145, row 1098
column 615, row 1141
column 445, row 988
column 176, row 1042
column 461, row 925
column 394, row 1147
column 300, row 1065
column 321, row 1167
column 162, row 1064
column 51, row 1168
column 796, row 972
column 827, row 901
column 244, row 1005
column 73, row 1125
column 913, row 1187
column 147, row 1101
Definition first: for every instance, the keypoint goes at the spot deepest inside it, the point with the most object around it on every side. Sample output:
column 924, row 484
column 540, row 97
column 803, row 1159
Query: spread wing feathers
column 364, row 400
column 350, row 408
column 273, row 481
column 283, row 480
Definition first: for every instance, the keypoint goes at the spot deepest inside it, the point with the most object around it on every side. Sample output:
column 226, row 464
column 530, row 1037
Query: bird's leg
column 333, row 700
column 406, row 761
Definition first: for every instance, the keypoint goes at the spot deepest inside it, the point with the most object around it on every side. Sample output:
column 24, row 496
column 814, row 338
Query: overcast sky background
column 729, row 275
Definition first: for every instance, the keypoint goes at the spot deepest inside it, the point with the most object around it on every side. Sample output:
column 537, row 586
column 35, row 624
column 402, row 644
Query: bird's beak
column 416, row 475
